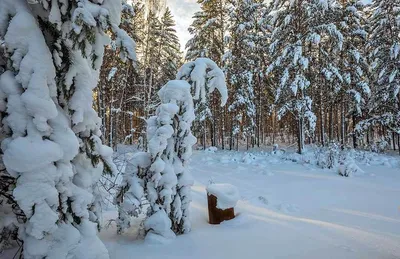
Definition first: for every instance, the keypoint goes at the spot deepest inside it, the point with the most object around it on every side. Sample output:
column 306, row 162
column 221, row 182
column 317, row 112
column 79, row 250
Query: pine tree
column 116, row 80
column 52, row 148
column 384, row 46
column 241, row 67
column 208, row 32
column 297, row 30
column 356, row 91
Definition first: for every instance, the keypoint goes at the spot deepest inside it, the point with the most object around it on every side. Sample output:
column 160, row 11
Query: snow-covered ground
column 287, row 210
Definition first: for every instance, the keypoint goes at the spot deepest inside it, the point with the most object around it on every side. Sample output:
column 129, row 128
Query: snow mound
column 159, row 227
column 227, row 195
column 248, row 158
column 350, row 169
column 225, row 159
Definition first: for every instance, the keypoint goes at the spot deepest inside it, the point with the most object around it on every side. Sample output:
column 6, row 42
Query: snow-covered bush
column 248, row 158
column 382, row 145
column 349, row 168
column 327, row 157
column 51, row 143
column 131, row 193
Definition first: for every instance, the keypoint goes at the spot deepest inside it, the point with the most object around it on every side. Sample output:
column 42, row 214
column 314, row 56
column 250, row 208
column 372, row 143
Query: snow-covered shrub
column 327, row 157
column 50, row 132
column 166, row 182
column 382, row 145
column 349, row 168
column 248, row 158
column 304, row 158
column 131, row 193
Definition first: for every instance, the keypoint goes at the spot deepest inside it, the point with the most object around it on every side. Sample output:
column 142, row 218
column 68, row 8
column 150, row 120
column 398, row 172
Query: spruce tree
column 160, row 175
column 169, row 48
column 52, row 147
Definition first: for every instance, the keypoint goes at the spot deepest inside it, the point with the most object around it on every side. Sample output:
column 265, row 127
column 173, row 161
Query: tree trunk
column 342, row 122
column 300, row 140
column 322, row 122
column 331, row 123
column 354, row 133
column 394, row 140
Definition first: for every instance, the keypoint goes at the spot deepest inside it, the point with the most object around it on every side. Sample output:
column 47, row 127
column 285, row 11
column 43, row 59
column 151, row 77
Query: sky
column 183, row 11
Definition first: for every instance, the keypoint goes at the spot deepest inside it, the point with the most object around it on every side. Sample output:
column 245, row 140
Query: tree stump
column 215, row 215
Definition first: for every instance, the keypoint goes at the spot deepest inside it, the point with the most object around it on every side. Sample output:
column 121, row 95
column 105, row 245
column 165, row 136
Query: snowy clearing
column 287, row 210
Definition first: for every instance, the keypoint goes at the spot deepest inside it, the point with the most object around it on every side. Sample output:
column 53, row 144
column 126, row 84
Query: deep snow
column 287, row 210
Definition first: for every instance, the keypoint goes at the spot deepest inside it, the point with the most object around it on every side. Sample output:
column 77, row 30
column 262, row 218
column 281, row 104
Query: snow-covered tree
column 297, row 29
column 384, row 49
column 170, row 145
column 161, row 175
column 355, row 65
column 208, row 32
column 204, row 76
column 169, row 48
column 52, row 147
column 355, row 90
column 241, row 65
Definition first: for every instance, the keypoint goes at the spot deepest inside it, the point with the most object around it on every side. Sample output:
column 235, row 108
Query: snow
column 165, row 181
column 227, row 195
column 287, row 210
column 24, row 154
column 350, row 169
column 159, row 226
column 205, row 76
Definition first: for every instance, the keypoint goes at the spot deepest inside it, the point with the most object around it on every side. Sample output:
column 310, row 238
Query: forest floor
column 287, row 210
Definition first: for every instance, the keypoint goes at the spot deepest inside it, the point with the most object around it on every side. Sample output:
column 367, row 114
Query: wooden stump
column 215, row 215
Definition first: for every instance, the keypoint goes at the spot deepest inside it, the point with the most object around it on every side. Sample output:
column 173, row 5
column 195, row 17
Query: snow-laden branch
column 205, row 76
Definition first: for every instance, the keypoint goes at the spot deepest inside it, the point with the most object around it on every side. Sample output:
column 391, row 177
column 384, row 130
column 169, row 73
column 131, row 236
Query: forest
column 281, row 117
column 315, row 72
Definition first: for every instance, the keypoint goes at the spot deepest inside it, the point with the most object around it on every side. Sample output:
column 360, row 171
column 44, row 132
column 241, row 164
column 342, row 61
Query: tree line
column 302, row 71
column 127, row 92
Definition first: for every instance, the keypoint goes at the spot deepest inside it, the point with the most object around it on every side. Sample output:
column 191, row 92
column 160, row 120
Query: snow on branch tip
column 205, row 75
